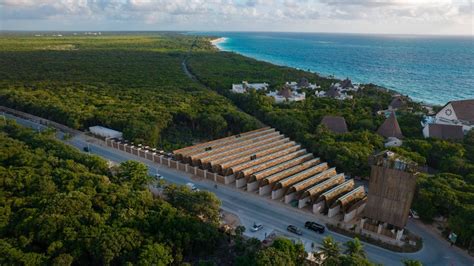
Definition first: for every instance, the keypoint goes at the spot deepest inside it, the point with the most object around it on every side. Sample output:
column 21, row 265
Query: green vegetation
column 60, row 206
column 131, row 83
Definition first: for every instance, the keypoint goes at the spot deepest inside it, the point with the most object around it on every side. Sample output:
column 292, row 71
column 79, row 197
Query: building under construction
column 264, row 161
column 391, row 190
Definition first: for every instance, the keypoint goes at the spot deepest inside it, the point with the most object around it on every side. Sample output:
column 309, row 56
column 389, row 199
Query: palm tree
column 355, row 248
column 331, row 248
column 409, row 262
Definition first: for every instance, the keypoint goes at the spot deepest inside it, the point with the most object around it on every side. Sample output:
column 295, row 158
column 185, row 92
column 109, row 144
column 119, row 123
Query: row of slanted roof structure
column 267, row 162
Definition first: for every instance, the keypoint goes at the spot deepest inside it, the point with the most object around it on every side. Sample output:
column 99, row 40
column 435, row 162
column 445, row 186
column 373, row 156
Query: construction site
column 266, row 162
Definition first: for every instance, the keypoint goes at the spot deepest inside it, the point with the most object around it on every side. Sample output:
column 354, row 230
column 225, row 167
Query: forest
column 131, row 83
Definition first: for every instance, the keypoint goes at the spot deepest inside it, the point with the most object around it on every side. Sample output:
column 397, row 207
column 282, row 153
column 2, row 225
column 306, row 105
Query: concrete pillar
column 379, row 229
column 334, row 211
column 240, row 182
column 229, row 179
column 215, row 177
column 290, row 197
column 303, row 202
column 205, row 174
column 399, row 234
column 362, row 222
column 264, row 190
column 195, row 170
column 186, row 168
column 252, row 186
column 276, row 194
column 318, row 207
column 349, row 216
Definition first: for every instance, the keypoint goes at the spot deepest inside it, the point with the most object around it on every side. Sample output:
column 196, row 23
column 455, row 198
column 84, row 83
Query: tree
column 331, row 248
column 355, row 248
column 410, row 262
column 155, row 254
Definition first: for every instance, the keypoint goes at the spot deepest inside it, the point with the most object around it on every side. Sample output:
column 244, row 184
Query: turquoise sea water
column 429, row 69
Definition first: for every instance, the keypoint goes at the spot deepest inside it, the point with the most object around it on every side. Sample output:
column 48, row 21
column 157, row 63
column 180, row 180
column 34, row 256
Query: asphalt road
column 276, row 216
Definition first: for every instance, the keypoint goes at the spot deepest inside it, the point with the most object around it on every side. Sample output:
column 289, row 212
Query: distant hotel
column 340, row 90
column 453, row 121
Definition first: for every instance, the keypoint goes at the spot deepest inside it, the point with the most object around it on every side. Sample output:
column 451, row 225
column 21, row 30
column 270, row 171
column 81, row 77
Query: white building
column 393, row 142
column 453, row 121
column 105, row 132
column 346, row 85
column 303, row 83
column 287, row 95
column 245, row 86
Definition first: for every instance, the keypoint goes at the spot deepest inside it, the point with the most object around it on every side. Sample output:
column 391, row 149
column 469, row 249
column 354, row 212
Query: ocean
column 430, row 69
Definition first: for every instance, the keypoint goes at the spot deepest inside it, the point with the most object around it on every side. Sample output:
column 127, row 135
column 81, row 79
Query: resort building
column 391, row 190
column 453, row 121
column 336, row 124
column 390, row 127
column 245, row 86
column 303, row 83
column 396, row 103
column 339, row 91
column 286, row 94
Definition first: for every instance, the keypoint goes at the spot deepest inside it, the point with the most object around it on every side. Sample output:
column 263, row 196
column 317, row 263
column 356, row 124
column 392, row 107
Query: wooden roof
column 289, row 171
column 213, row 142
column 336, row 124
column 279, row 144
column 312, row 180
column 221, row 142
column 280, row 167
column 218, row 150
column 390, row 195
column 288, row 181
column 260, row 159
column 334, row 192
column 256, row 155
column 390, row 127
column 323, row 186
column 236, row 147
column 272, row 163
column 351, row 196
column 464, row 109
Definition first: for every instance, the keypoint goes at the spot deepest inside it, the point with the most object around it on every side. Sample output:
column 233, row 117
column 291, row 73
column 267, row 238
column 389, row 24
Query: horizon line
column 251, row 31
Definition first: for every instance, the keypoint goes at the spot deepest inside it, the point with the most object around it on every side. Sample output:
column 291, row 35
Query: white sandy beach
column 215, row 42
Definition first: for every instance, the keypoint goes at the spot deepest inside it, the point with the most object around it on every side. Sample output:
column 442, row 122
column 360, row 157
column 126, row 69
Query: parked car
column 159, row 176
column 192, row 187
column 294, row 229
column 256, row 227
column 314, row 226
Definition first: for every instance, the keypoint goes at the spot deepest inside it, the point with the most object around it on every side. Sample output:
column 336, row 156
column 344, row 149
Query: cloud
column 219, row 14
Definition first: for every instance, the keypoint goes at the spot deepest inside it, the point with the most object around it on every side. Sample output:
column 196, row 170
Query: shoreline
column 217, row 41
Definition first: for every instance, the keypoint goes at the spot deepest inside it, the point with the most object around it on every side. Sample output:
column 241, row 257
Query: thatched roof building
column 390, row 127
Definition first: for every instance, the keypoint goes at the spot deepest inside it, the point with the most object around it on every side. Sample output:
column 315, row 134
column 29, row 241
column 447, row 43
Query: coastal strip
column 216, row 42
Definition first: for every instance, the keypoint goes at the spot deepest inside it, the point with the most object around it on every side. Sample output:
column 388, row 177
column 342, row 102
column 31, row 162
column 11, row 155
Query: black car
column 294, row 229
column 314, row 226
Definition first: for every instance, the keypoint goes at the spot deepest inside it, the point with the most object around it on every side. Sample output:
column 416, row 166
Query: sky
column 440, row 17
